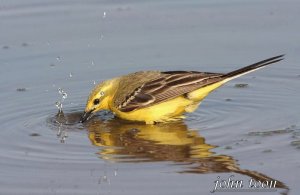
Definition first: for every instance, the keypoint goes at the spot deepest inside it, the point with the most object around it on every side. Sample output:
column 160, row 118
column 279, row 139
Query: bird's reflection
column 123, row 141
column 133, row 142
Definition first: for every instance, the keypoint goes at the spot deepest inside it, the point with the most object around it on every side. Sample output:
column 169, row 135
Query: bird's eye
column 96, row 101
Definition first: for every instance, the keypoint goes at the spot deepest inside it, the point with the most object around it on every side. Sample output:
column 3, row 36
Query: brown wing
column 167, row 86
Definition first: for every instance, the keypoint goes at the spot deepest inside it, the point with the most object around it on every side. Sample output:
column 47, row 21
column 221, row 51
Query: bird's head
column 98, row 99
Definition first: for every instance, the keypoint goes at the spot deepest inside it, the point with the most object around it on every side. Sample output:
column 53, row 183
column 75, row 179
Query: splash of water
column 61, row 132
column 59, row 104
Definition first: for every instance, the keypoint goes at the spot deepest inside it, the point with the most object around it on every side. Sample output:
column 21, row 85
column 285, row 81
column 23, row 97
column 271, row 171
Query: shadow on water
column 122, row 141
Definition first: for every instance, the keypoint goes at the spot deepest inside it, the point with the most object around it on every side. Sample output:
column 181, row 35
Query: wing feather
column 165, row 87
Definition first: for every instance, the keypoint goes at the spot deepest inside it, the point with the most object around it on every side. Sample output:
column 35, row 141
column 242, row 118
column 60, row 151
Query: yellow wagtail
column 154, row 96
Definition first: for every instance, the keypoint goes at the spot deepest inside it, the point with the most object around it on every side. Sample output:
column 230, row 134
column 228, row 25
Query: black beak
column 86, row 116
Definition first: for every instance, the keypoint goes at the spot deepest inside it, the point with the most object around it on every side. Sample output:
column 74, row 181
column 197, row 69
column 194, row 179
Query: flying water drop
column 64, row 95
column 60, row 91
column 58, row 104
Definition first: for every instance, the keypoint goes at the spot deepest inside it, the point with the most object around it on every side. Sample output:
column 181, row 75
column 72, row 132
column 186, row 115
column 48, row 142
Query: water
column 247, row 132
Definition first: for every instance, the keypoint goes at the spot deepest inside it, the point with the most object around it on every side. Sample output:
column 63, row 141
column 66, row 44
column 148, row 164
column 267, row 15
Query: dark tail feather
column 253, row 67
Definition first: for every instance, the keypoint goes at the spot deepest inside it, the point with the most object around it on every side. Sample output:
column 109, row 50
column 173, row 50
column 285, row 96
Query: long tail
column 252, row 67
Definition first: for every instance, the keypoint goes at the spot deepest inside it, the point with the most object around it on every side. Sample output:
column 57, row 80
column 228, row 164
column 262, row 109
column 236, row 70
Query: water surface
column 248, row 132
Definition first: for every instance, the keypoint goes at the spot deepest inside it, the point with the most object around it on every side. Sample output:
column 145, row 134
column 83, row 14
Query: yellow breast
column 162, row 112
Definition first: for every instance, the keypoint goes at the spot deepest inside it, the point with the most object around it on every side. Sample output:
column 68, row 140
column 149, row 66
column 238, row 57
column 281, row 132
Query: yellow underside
column 170, row 110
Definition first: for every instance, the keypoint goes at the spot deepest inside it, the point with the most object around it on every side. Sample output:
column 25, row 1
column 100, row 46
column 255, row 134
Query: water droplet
column 93, row 63
column 64, row 95
column 104, row 15
column 58, row 58
column 94, row 82
column 70, row 75
column 60, row 91
column 116, row 172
